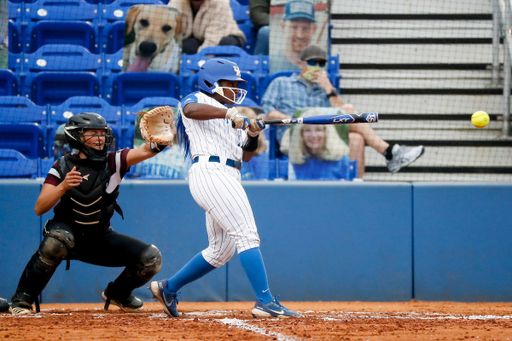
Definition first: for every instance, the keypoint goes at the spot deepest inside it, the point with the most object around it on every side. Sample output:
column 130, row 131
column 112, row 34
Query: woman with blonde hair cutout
column 317, row 152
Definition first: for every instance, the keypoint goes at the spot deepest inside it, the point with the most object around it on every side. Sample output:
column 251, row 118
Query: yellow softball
column 480, row 119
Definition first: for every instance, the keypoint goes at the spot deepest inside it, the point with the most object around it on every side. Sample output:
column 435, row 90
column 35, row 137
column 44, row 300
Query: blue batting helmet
column 215, row 69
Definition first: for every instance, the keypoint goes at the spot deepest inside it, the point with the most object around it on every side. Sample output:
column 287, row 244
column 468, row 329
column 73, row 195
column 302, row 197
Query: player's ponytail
column 183, row 137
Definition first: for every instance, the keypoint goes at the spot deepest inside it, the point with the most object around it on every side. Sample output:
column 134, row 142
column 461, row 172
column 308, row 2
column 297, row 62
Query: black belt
column 229, row 162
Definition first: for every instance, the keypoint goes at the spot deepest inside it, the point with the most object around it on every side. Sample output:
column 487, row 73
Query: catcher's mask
column 216, row 69
column 75, row 129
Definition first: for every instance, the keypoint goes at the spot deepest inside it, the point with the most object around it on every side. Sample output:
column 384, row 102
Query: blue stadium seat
column 80, row 104
column 14, row 165
column 56, row 87
column 112, row 65
column 65, row 10
column 117, row 10
column 62, row 32
column 113, row 39
column 16, row 10
column 14, row 41
column 15, row 63
column 150, row 102
column 8, row 83
column 131, row 114
column 242, row 18
column 56, row 58
column 254, row 68
column 128, row 88
column 240, row 12
column 44, row 166
column 23, row 126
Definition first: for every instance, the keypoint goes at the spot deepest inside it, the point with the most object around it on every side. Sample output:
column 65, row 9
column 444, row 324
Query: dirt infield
column 233, row 321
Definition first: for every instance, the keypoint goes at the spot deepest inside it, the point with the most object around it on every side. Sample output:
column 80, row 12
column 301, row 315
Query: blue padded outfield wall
column 321, row 241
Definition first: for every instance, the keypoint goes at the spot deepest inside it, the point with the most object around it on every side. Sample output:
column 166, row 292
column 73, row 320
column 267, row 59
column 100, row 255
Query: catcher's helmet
column 216, row 69
column 74, row 130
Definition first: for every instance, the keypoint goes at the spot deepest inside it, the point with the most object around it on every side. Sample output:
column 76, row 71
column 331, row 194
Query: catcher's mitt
column 156, row 126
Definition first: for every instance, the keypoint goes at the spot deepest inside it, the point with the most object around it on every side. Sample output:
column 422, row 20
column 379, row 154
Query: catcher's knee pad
column 150, row 262
column 55, row 245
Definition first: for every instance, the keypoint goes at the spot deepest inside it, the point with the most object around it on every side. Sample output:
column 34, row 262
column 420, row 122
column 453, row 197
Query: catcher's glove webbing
column 156, row 127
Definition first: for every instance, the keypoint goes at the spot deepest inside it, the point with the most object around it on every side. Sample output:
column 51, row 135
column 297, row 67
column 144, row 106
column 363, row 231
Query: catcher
column 84, row 187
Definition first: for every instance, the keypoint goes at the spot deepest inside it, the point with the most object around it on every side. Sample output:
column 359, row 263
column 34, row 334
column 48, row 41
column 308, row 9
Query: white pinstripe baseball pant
column 229, row 218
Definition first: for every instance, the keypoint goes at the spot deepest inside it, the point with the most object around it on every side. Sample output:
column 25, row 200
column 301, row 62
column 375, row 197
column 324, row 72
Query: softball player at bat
column 218, row 139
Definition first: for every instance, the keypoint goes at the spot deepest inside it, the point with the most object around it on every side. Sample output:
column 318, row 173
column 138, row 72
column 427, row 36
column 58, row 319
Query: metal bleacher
column 425, row 68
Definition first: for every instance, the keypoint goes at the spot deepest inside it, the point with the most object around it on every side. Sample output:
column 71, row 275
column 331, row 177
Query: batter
column 218, row 139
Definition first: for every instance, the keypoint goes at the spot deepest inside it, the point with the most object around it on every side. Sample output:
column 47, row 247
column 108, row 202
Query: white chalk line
column 246, row 326
column 340, row 316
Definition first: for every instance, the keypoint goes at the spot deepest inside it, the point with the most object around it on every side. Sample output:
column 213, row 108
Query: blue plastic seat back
column 15, row 62
column 240, row 12
column 65, row 10
column 245, row 61
column 117, row 10
column 56, row 87
column 62, row 32
column 59, row 57
column 16, row 10
column 114, row 62
column 80, row 104
column 14, row 165
column 149, row 102
column 128, row 88
column 113, row 38
column 8, row 83
column 14, row 38
column 23, row 126
column 26, row 138
column 242, row 18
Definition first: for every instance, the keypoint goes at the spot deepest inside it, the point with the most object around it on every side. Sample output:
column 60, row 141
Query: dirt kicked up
column 233, row 321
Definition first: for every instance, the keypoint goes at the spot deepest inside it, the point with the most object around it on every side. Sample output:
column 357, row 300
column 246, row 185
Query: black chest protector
column 87, row 207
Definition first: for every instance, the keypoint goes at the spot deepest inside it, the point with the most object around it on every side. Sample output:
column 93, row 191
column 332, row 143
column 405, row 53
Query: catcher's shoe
column 168, row 299
column 20, row 308
column 272, row 309
column 131, row 304
column 4, row 305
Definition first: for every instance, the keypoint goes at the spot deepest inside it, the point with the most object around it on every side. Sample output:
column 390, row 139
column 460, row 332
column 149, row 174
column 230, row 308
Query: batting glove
column 257, row 125
column 238, row 120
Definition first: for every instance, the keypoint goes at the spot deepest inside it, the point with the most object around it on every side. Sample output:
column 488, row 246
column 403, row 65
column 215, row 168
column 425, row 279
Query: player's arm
column 51, row 194
column 142, row 153
column 203, row 112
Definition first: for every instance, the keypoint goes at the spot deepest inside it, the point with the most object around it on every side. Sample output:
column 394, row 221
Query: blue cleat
column 272, row 309
column 168, row 299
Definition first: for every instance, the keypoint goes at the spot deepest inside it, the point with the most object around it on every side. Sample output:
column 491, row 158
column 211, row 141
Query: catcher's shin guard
column 34, row 279
column 133, row 277
column 41, row 267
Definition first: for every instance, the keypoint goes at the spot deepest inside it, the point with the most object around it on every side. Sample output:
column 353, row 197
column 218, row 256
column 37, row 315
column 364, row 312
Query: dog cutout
column 152, row 39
